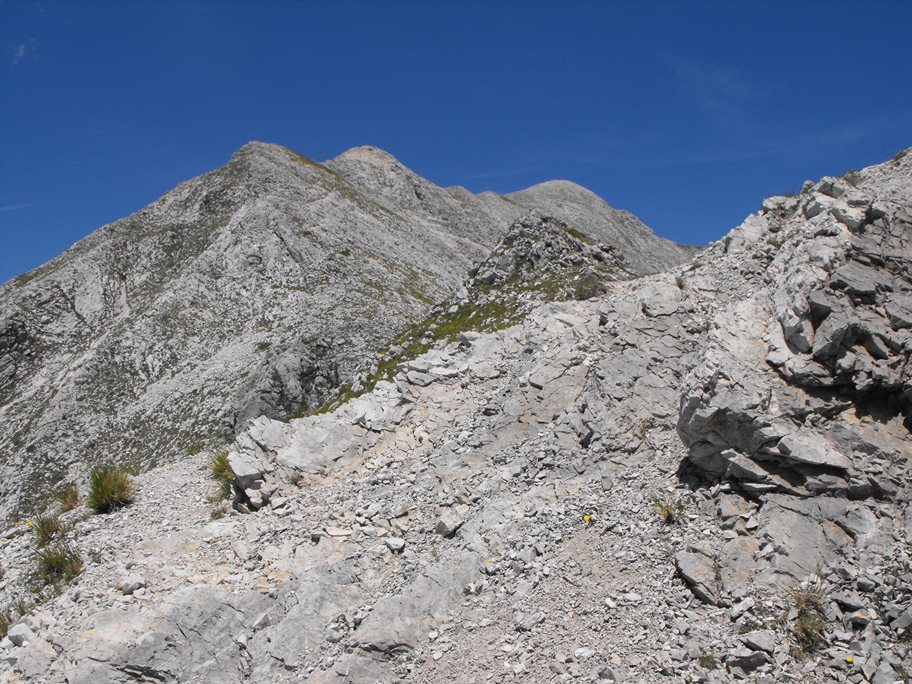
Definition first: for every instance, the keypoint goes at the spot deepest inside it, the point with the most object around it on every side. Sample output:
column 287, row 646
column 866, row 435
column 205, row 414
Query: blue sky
column 686, row 114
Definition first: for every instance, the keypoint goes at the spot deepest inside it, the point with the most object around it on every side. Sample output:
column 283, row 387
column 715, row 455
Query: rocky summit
column 561, row 467
column 253, row 290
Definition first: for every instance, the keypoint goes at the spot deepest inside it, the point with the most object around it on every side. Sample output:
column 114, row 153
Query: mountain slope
column 699, row 476
column 255, row 289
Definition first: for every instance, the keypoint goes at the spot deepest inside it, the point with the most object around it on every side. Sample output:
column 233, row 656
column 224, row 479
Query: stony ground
column 688, row 477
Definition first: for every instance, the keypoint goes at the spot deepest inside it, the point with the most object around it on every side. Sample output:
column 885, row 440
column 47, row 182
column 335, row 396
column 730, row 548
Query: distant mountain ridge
column 255, row 289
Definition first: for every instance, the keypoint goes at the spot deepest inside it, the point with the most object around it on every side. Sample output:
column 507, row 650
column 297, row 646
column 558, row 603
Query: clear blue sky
column 686, row 114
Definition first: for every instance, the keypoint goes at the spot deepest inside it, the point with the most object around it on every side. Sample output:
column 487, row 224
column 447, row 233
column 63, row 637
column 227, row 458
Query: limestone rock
column 254, row 290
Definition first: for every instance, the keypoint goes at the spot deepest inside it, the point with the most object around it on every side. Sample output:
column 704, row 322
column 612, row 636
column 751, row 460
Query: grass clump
column 6, row 621
column 10, row 615
column 110, row 487
column 221, row 471
column 671, row 510
column 59, row 563
column 68, row 497
column 808, row 627
column 46, row 527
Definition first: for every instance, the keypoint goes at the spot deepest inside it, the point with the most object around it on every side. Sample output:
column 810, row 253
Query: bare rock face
column 256, row 289
column 805, row 385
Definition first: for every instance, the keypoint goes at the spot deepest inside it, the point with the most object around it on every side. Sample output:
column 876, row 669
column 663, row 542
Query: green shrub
column 110, row 487
column 59, row 563
column 45, row 528
column 222, row 473
column 68, row 497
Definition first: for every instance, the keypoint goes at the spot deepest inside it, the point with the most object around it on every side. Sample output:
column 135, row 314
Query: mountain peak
column 562, row 187
column 257, row 148
column 368, row 154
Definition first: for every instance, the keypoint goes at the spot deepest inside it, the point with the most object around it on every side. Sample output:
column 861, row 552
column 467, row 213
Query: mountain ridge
column 256, row 288
column 700, row 475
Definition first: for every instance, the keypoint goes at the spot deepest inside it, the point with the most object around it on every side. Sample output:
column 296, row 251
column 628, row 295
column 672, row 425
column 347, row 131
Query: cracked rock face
column 826, row 314
column 256, row 289
column 657, row 481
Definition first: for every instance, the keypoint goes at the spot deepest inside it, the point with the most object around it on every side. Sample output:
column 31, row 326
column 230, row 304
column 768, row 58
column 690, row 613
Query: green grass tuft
column 59, row 563
column 671, row 510
column 110, row 487
column 221, row 471
column 68, row 497
column 810, row 623
column 46, row 527
column 582, row 237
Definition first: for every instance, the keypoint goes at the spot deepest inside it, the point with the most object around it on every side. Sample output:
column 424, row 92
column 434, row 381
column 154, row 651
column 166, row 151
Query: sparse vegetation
column 221, row 471
column 58, row 563
column 46, row 527
column 582, row 237
column 492, row 305
column 671, row 510
column 110, row 487
column 11, row 614
column 21, row 606
column 852, row 177
column 588, row 286
column 708, row 661
column 6, row 621
column 807, row 602
column 68, row 497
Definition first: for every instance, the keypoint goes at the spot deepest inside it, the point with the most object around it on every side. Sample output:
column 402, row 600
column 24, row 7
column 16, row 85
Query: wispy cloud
column 14, row 207
column 723, row 93
column 20, row 51
column 712, row 82
column 803, row 142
